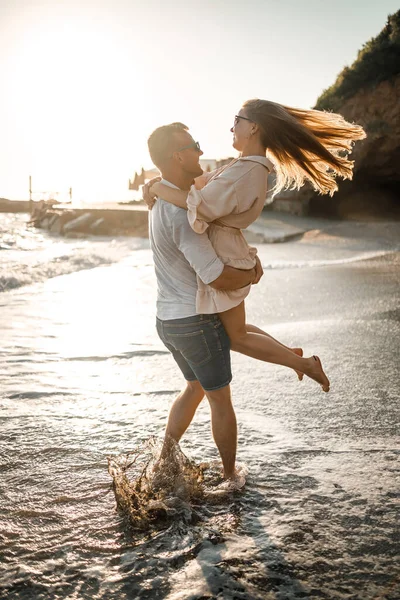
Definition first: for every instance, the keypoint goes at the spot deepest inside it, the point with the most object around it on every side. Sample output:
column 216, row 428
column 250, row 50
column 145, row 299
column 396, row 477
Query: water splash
column 160, row 490
column 156, row 490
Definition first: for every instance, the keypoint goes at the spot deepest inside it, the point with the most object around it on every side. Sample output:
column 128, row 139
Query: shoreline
column 131, row 219
column 14, row 206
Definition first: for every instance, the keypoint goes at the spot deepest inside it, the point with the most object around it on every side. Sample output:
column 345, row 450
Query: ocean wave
column 30, row 256
column 15, row 275
column 300, row 264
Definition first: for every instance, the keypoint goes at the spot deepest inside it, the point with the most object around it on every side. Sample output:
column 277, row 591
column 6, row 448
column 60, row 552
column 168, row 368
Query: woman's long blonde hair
column 305, row 145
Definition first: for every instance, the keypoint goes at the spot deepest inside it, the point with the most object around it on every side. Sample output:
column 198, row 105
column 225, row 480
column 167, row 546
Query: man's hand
column 148, row 196
column 259, row 271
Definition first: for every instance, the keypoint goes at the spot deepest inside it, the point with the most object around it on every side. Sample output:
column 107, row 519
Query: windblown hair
column 305, row 145
column 161, row 142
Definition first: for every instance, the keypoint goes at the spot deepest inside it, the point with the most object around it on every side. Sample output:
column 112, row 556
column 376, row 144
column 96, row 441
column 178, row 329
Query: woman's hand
column 148, row 195
column 201, row 181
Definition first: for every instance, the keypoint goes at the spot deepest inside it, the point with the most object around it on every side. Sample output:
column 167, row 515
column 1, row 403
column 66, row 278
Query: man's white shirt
column 179, row 255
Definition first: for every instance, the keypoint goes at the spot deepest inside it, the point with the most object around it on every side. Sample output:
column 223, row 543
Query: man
column 198, row 343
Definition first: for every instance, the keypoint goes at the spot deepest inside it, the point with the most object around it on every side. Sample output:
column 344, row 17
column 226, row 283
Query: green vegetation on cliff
column 378, row 60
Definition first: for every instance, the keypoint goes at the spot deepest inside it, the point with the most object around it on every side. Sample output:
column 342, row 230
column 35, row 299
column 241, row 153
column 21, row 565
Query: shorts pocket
column 193, row 346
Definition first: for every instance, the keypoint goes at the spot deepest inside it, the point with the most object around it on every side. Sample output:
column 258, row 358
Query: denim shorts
column 201, row 348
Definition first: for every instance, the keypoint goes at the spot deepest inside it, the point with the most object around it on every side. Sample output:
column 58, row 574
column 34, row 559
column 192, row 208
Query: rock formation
column 80, row 222
column 367, row 93
column 375, row 188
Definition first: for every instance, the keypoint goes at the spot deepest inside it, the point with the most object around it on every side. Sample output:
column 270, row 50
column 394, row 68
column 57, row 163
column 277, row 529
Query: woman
column 300, row 145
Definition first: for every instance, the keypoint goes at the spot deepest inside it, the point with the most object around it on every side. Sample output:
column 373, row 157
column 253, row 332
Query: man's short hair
column 161, row 142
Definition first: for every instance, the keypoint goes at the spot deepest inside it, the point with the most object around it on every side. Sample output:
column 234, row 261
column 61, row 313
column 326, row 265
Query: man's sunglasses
column 194, row 145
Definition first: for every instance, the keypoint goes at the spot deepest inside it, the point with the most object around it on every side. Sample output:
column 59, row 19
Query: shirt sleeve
column 251, row 186
column 220, row 198
column 215, row 200
column 196, row 248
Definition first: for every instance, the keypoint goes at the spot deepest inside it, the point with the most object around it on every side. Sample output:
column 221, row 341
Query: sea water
column 84, row 381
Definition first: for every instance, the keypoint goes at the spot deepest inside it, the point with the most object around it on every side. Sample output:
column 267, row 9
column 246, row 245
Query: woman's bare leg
column 265, row 348
column 254, row 329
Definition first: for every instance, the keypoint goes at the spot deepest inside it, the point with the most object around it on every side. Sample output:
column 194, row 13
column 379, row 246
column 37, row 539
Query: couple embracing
column 204, row 266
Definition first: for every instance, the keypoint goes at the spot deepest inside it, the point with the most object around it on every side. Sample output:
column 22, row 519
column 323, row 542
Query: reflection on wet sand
column 83, row 377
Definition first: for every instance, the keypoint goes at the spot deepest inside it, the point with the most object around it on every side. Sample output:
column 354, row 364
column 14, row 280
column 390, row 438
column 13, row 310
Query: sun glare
column 74, row 97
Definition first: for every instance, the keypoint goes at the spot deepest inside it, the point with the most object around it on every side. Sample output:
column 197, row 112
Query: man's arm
column 202, row 257
column 195, row 247
column 233, row 279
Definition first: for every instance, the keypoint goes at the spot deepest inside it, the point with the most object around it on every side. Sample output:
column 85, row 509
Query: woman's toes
column 320, row 375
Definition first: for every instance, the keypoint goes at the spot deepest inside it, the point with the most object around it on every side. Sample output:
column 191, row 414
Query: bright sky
column 84, row 82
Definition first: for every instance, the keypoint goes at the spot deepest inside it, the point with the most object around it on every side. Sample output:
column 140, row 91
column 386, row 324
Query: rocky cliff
column 375, row 188
column 367, row 93
column 378, row 110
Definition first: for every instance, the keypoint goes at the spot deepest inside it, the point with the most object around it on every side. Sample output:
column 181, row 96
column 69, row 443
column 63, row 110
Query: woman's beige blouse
column 231, row 200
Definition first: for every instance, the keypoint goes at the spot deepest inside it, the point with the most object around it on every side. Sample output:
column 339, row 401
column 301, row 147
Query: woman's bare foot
column 299, row 352
column 316, row 372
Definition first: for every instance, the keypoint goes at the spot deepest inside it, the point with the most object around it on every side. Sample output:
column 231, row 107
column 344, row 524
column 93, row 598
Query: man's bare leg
column 181, row 414
column 224, row 427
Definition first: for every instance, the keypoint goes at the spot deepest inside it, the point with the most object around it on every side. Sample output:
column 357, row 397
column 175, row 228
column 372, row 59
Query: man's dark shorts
column 201, row 347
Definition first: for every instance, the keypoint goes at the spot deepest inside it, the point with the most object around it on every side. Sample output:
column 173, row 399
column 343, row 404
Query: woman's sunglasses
column 237, row 117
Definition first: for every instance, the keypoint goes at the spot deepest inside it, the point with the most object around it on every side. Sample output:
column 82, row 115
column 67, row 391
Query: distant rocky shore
column 14, row 206
column 115, row 219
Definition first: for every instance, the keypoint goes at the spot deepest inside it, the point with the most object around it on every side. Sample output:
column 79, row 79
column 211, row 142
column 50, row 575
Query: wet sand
column 81, row 381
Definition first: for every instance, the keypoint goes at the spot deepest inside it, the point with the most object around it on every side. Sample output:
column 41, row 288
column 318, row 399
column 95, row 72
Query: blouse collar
column 262, row 160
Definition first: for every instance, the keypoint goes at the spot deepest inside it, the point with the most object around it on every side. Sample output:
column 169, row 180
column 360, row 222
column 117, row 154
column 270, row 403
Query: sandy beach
column 84, row 376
